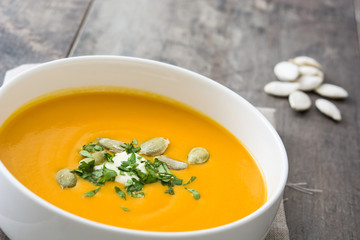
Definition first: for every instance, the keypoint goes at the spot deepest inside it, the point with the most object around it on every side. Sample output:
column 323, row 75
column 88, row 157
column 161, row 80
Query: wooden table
column 236, row 43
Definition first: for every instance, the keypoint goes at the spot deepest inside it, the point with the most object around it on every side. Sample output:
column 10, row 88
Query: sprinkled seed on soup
column 154, row 146
column 198, row 155
column 66, row 178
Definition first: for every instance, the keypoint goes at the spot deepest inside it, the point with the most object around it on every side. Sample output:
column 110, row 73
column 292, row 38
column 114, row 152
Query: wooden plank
column 321, row 152
column 37, row 30
column 237, row 44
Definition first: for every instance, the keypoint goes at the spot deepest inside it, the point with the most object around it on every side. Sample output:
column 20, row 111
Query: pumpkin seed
column 331, row 91
column 305, row 61
column 198, row 155
column 286, row 71
column 309, row 70
column 66, row 178
column 299, row 101
column 111, row 145
column 171, row 163
column 87, row 160
column 309, row 83
column 99, row 157
column 281, row 89
column 328, row 108
column 154, row 146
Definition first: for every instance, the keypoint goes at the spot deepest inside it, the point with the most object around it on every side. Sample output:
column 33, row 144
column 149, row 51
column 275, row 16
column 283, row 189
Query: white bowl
column 23, row 215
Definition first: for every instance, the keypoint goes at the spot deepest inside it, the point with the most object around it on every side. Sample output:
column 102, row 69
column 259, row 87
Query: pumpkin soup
column 204, row 177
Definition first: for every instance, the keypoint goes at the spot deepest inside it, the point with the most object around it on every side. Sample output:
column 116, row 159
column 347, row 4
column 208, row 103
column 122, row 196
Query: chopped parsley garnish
column 195, row 193
column 85, row 153
column 92, row 147
column 109, row 157
column 164, row 173
column 156, row 171
column 85, row 169
column 177, row 181
column 125, row 209
column 136, row 194
column 97, row 177
column 130, row 148
column 107, row 175
column 120, row 192
column 191, row 180
column 170, row 190
column 134, row 187
column 92, row 193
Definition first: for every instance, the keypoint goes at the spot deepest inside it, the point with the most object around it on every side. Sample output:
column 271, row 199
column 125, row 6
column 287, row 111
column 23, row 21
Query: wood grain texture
column 237, row 43
column 35, row 31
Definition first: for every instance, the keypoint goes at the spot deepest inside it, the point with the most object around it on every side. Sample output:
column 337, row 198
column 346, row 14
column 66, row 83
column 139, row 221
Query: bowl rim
column 64, row 61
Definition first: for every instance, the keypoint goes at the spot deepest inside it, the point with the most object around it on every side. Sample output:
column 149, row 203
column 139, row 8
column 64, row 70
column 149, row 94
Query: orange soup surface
column 47, row 134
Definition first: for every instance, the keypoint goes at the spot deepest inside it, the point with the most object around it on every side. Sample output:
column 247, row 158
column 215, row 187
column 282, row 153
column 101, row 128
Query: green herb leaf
column 124, row 145
column 191, row 180
column 137, row 194
column 170, row 190
column 108, row 175
column 177, row 181
column 129, row 182
column 109, row 157
column 125, row 209
column 136, row 150
column 164, row 173
column 92, row 147
column 195, row 194
column 143, row 176
column 132, row 158
column 85, row 153
column 98, row 148
column 133, row 188
column 97, row 173
column 92, row 193
column 120, row 192
column 87, row 167
column 130, row 148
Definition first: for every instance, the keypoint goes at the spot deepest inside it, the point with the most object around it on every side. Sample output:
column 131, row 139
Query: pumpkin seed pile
column 304, row 74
